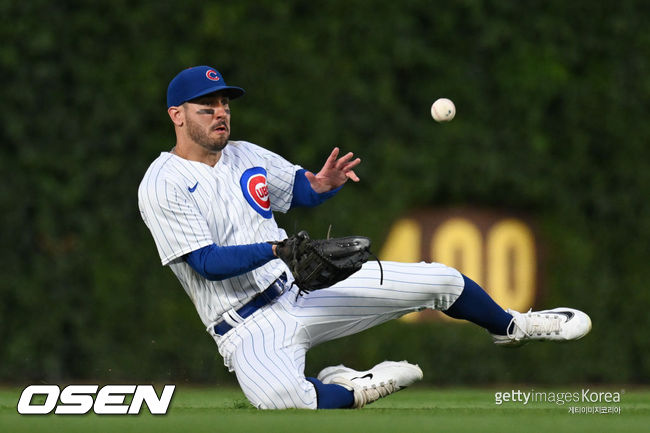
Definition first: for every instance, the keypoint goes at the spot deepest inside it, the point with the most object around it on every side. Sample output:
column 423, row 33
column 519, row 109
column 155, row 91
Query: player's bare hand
column 334, row 173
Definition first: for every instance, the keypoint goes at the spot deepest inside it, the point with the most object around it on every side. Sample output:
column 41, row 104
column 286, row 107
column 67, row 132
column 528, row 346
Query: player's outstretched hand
column 334, row 173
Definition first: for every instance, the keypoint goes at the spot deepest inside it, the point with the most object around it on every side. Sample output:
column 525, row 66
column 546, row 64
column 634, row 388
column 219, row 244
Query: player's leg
column 332, row 395
column 361, row 302
column 476, row 306
column 267, row 354
column 511, row 328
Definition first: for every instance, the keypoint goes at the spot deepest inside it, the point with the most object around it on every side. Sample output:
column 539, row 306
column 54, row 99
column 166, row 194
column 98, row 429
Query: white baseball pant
column 267, row 350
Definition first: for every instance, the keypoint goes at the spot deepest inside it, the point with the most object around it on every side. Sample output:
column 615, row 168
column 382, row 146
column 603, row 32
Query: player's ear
column 177, row 115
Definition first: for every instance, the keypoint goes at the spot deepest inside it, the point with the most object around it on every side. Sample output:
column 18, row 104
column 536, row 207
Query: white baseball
column 443, row 110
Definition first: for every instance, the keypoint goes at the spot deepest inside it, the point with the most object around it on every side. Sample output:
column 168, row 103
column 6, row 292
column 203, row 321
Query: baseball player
column 209, row 204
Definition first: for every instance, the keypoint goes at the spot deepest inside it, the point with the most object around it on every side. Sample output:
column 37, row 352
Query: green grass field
column 413, row 410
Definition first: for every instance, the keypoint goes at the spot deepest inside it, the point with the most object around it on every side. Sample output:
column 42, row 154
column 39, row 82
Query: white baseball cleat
column 558, row 324
column 369, row 386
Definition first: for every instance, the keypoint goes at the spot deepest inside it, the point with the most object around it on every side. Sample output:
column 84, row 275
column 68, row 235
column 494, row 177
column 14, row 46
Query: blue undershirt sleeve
column 219, row 263
column 303, row 193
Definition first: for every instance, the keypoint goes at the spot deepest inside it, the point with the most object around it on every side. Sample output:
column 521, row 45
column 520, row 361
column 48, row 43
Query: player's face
column 208, row 121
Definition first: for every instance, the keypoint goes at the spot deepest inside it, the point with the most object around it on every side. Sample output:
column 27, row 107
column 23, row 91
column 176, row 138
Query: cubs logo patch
column 211, row 74
column 256, row 191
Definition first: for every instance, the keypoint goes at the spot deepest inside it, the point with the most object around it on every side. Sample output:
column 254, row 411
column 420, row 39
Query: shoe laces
column 375, row 392
column 536, row 324
column 364, row 395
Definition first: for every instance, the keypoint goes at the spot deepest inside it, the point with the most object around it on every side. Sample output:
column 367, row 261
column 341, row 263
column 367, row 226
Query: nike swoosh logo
column 192, row 189
column 368, row 376
column 569, row 315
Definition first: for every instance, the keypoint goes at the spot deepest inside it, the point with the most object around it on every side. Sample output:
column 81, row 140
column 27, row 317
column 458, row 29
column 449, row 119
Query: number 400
column 502, row 259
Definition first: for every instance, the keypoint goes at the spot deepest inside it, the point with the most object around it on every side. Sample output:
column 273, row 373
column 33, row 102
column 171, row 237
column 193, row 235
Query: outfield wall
column 552, row 108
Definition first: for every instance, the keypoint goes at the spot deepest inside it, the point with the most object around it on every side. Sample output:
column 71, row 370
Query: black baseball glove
column 320, row 263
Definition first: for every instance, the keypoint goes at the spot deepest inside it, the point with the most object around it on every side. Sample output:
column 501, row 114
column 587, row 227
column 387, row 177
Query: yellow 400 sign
column 497, row 251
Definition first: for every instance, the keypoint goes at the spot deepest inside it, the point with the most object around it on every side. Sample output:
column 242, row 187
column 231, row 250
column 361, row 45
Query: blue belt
column 259, row 301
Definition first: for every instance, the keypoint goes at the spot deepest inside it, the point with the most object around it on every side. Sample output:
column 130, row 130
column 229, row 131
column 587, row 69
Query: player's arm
column 216, row 263
column 303, row 193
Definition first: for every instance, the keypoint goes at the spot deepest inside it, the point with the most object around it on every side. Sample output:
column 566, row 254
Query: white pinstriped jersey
column 188, row 205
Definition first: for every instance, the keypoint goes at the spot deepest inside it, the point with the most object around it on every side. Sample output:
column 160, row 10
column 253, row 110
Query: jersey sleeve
column 280, row 177
column 174, row 221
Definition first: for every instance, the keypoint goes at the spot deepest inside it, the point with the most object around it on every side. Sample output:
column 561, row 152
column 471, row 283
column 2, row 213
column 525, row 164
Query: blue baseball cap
column 198, row 81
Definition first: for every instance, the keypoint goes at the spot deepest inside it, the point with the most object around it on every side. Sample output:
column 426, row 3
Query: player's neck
column 196, row 153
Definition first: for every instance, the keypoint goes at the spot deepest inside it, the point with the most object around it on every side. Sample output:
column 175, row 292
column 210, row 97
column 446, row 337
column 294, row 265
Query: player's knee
column 283, row 400
column 449, row 278
column 455, row 283
column 288, row 396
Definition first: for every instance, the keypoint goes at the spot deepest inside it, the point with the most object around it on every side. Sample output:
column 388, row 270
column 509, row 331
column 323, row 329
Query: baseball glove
column 320, row 263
